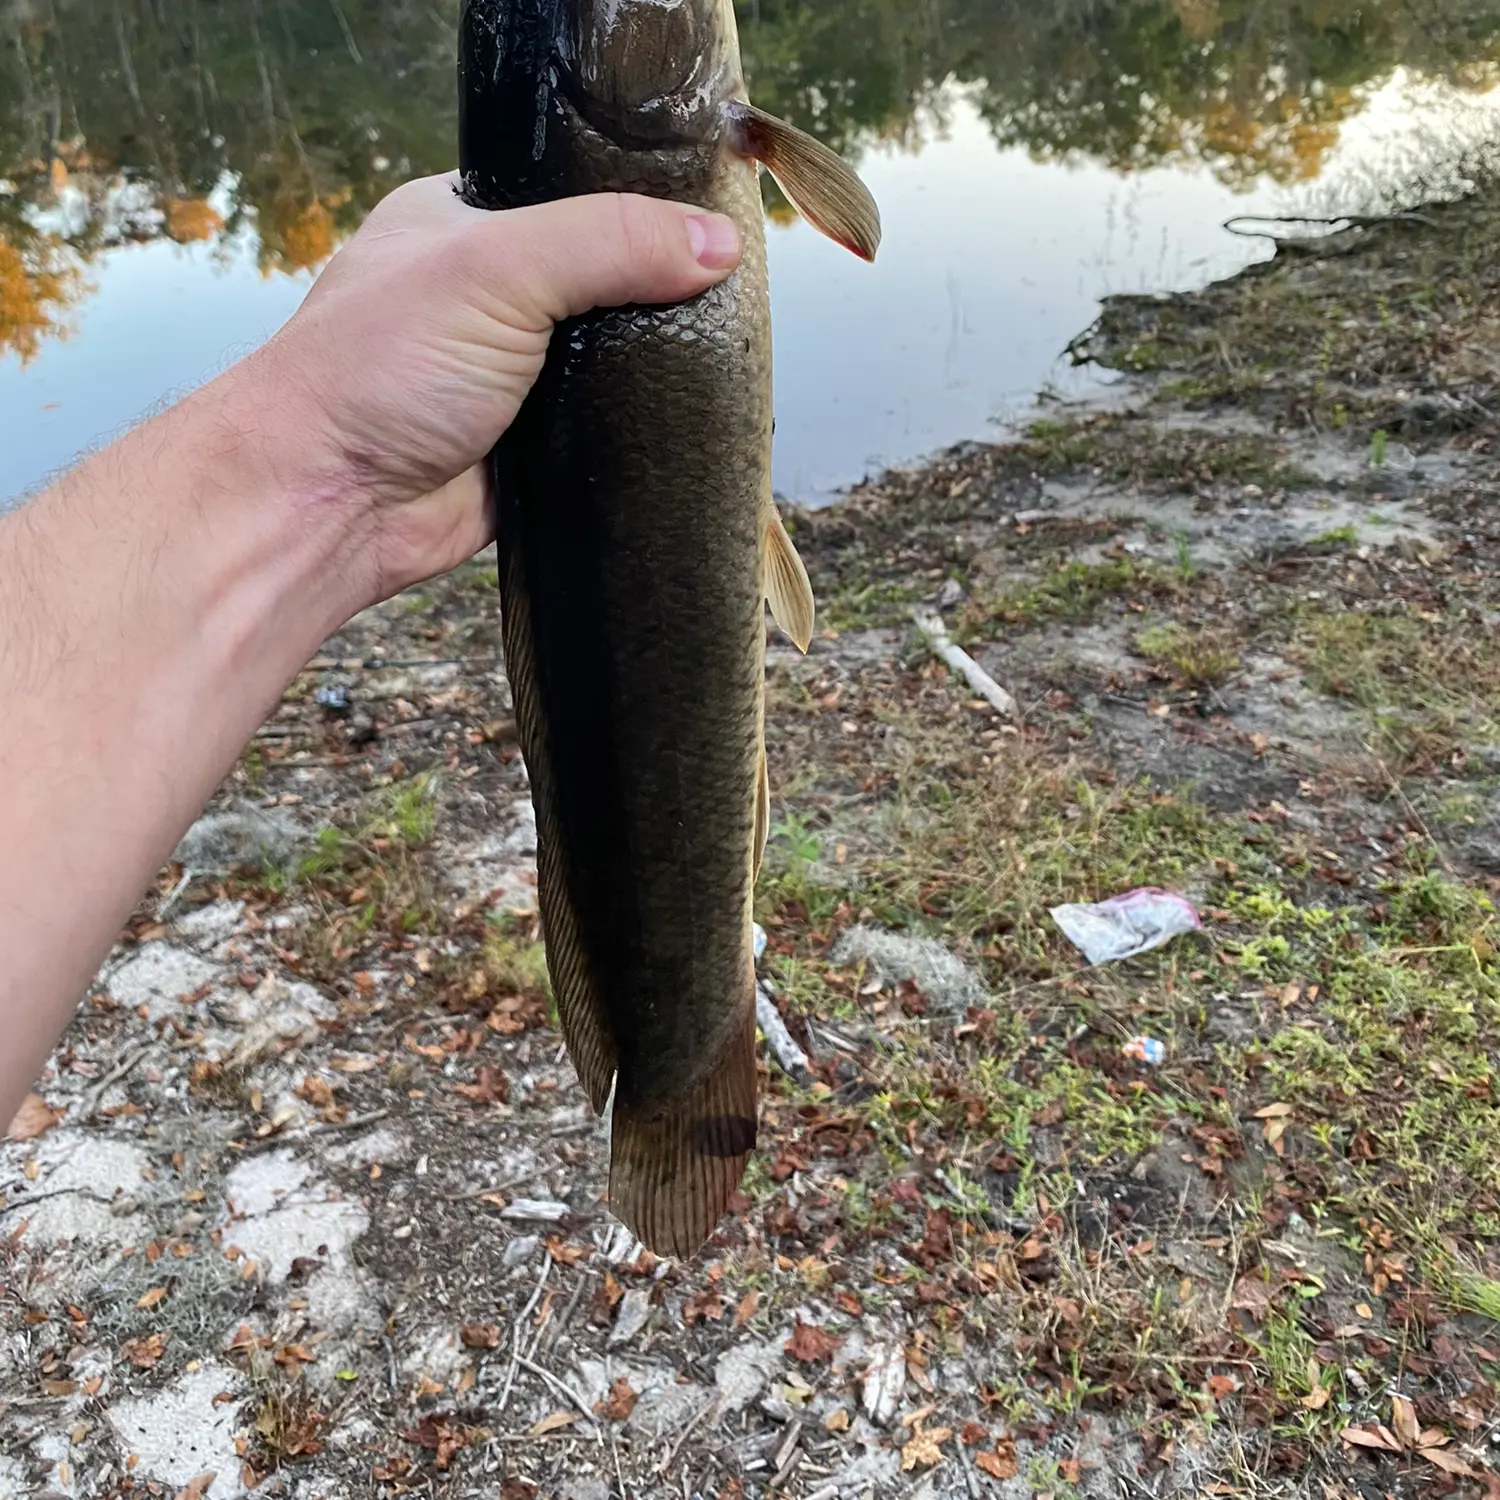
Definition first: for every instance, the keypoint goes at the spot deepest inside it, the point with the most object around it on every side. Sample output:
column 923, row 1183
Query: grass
column 1074, row 592
column 1426, row 687
column 1124, row 448
column 1198, row 658
column 365, row 879
column 1367, row 1027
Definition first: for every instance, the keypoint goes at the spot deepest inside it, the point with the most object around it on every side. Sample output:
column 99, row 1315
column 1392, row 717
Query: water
column 174, row 172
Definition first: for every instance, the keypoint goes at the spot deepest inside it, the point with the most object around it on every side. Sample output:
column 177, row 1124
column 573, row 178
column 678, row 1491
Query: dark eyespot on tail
column 725, row 1136
column 674, row 1168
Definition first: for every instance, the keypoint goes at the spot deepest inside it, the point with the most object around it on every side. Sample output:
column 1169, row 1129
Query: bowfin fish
column 639, row 548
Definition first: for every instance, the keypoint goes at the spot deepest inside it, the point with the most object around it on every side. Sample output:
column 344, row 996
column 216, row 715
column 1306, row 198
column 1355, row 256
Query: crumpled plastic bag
column 1126, row 925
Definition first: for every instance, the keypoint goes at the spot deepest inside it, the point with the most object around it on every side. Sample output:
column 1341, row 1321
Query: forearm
column 154, row 603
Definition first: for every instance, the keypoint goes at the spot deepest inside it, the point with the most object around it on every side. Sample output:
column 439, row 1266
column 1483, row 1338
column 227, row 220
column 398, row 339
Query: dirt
column 321, row 1211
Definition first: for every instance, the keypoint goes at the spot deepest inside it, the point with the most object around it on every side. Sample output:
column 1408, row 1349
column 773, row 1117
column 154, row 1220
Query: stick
column 791, row 1057
column 516, row 1327
column 125, row 1065
column 561, row 1386
column 687, row 1432
column 961, row 662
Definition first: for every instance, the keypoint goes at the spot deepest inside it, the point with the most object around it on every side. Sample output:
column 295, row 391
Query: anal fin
column 673, row 1171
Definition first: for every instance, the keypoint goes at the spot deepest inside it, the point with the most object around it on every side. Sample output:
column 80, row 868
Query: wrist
column 259, row 448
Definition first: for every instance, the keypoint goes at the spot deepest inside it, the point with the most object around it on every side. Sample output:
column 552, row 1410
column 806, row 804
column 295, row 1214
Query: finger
column 607, row 249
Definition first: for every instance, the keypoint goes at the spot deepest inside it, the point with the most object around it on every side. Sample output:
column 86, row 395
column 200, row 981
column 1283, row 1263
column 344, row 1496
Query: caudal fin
column 672, row 1174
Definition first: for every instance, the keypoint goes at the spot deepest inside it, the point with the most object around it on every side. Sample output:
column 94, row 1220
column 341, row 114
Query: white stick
column 965, row 665
column 788, row 1053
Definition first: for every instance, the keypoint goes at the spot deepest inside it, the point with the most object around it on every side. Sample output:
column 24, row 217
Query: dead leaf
column 1404, row 1421
column 1001, row 1464
column 35, row 1117
column 704, row 1307
column 480, row 1335
column 925, row 1449
column 618, row 1405
column 144, row 1352
column 746, row 1310
column 1220, row 1386
column 195, row 1489
column 1370, row 1437
column 1252, row 1295
column 1449, row 1463
column 837, row 1420
column 564, row 1253
column 490, row 1086
column 809, row 1344
column 1274, row 1112
column 151, row 1298
column 553, row 1422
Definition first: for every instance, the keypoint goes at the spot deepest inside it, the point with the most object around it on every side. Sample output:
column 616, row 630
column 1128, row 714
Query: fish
column 639, row 545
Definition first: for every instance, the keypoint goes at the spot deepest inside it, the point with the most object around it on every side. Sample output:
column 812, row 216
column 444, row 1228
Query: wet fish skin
column 638, row 544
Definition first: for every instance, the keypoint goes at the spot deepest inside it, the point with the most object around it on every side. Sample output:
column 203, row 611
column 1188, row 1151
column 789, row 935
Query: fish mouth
column 649, row 73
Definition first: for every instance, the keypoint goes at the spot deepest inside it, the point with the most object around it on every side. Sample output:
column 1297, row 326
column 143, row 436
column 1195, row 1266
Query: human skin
column 156, row 600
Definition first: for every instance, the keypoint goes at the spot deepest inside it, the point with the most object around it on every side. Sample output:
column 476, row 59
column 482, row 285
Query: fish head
column 657, row 70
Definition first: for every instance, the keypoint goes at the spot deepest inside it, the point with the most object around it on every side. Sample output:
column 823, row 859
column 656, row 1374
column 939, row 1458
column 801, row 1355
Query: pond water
column 174, row 172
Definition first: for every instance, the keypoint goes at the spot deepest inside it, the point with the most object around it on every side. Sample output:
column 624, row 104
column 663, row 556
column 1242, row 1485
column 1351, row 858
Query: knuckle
column 640, row 233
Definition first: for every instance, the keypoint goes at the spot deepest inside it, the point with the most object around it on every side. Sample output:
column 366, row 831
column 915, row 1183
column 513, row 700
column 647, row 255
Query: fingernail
column 715, row 241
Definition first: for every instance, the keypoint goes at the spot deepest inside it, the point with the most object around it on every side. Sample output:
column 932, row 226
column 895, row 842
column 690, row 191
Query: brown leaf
column 705, row 1307
column 144, row 1352
column 1220, row 1386
column 1252, row 1295
column 925, row 1449
column 196, row 1488
column 809, row 1344
column 837, row 1420
column 490, row 1086
column 57, row 1387
column 746, row 1310
column 1370, row 1437
column 564, row 1253
column 1001, row 1464
column 1404, row 1421
column 618, row 1405
column 480, row 1335
column 1449, row 1463
column 553, row 1422
column 151, row 1298
column 973, row 1435
column 35, row 1117
column 1274, row 1112
column 518, row 1489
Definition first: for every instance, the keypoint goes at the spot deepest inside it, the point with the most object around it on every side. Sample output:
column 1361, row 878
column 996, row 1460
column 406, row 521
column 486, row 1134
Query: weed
column 1201, row 658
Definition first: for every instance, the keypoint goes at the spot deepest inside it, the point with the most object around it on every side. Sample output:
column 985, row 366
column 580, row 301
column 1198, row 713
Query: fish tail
column 672, row 1172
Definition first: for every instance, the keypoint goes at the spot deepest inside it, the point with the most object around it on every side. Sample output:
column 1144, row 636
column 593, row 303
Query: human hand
column 417, row 345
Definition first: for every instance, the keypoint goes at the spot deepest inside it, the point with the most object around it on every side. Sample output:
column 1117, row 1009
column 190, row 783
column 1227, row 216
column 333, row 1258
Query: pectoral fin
column 788, row 589
column 821, row 185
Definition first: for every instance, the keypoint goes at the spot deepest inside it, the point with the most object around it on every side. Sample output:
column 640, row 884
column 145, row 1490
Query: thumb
column 609, row 249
